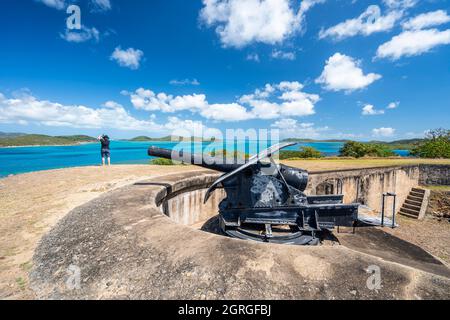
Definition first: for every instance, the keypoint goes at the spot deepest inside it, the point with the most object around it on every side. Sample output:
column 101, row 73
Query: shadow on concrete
column 381, row 244
column 213, row 226
column 374, row 242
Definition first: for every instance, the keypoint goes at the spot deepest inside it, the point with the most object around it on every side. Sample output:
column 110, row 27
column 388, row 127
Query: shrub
column 436, row 145
column 162, row 162
column 358, row 150
column 377, row 150
column 303, row 153
column 230, row 155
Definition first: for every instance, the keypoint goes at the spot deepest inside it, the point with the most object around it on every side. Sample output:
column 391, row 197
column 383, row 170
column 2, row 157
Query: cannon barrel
column 195, row 159
column 297, row 178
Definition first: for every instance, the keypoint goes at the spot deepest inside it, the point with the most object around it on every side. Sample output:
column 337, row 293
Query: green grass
column 27, row 266
column 438, row 188
column 22, row 283
column 329, row 164
column 43, row 140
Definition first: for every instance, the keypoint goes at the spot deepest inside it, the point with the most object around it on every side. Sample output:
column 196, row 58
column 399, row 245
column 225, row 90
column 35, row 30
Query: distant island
column 394, row 145
column 400, row 144
column 20, row 140
column 298, row 140
column 168, row 139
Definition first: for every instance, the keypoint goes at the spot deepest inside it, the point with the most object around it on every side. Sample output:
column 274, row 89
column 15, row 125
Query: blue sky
column 319, row 69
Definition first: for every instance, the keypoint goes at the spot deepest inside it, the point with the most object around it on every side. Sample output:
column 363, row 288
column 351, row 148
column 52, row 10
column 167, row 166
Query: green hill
column 312, row 140
column 399, row 144
column 10, row 135
column 145, row 138
column 43, row 140
column 393, row 145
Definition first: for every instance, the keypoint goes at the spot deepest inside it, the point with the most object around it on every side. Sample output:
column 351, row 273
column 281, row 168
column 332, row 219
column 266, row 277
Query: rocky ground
column 440, row 204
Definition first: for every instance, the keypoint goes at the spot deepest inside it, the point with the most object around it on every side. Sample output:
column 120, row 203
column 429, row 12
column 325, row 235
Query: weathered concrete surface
column 188, row 208
column 126, row 248
column 366, row 186
column 435, row 175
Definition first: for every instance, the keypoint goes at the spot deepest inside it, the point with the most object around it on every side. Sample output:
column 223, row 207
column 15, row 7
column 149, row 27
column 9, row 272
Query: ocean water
column 29, row 159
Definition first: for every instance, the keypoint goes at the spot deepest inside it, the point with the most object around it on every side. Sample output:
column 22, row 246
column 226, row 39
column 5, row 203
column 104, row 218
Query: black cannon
column 266, row 201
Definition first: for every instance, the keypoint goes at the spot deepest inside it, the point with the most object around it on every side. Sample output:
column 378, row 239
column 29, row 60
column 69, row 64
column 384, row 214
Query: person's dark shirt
column 105, row 143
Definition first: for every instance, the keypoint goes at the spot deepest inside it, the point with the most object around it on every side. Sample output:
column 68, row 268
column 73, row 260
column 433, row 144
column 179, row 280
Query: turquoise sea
column 29, row 159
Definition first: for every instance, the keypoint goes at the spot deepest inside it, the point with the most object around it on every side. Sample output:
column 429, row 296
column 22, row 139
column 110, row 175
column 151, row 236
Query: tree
column 303, row 153
column 436, row 145
column 353, row 149
column 358, row 150
column 309, row 152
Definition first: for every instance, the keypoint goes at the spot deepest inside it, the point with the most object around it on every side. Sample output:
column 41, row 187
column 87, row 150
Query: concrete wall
column 188, row 208
column 437, row 175
column 366, row 186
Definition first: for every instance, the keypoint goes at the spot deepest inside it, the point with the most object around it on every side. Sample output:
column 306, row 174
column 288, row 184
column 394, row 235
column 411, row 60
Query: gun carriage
column 266, row 201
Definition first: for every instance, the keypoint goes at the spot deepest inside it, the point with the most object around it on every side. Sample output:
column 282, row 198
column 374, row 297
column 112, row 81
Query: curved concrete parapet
column 122, row 246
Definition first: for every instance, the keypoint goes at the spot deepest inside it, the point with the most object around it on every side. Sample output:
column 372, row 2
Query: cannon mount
column 266, row 202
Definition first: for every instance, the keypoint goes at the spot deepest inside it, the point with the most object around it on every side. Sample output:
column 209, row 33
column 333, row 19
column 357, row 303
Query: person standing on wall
column 105, row 150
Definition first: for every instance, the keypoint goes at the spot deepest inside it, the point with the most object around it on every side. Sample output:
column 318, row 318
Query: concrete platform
column 126, row 248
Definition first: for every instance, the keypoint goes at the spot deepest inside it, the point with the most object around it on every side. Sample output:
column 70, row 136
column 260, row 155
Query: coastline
column 48, row 145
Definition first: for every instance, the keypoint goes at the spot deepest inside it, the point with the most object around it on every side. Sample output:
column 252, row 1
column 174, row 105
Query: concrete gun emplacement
column 266, row 202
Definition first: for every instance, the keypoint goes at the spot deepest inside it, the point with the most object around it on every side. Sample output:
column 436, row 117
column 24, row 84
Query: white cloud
column 291, row 101
column 184, row 82
column 57, row 4
column 150, row 101
column 83, row 35
column 393, row 105
column 190, row 128
column 294, row 129
column 101, row 5
column 28, row 109
column 277, row 54
column 342, row 72
column 271, row 102
column 371, row 21
column 426, row 20
column 226, row 112
column 369, row 110
column 253, row 57
column 413, row 43
column 383, row 132
column 242, row 22
column 400, row 4
column 130, row 58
